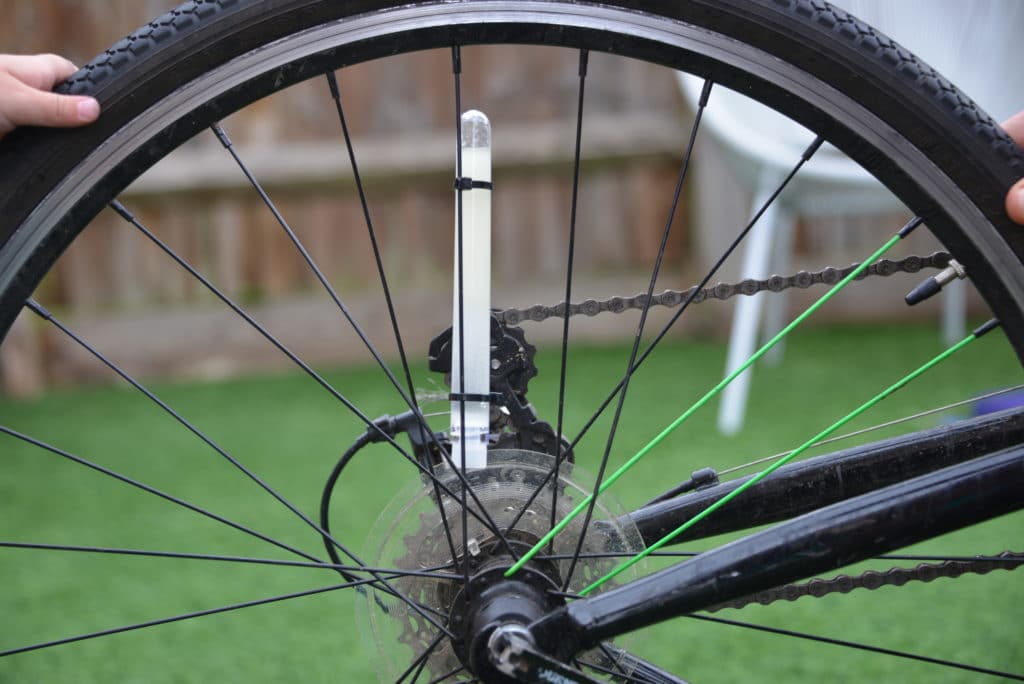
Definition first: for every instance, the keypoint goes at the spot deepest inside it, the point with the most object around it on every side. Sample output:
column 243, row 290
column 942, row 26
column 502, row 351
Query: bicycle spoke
column 804, row 158
column 447, row 675
column 409, row 400
column 618, row 675
column 306, row 368
column 553, row 472
column 420, row 661
column 619, row 671
column 706, row 92
column 563, row 364
column 873, row 428
column 186, row 616
column 459, row 294
column 229, row 559
column 370, row 424
column 36, row 308
column 642, row 670
column 156, row 492
column 684, row 168
column 213, row 516
column 332, row 83
column 859, row 646
column 222, row 136
column 613, row 554
column 50, row 318
column 424, row 428
column 419, row 670
column 902, row 233
column 902, row 382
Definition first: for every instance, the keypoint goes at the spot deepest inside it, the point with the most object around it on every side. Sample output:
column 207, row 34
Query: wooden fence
column 136, row 304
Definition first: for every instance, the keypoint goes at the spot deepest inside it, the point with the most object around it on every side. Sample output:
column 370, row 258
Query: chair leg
column 954, row 312
column 775, row 306
column 747, row 313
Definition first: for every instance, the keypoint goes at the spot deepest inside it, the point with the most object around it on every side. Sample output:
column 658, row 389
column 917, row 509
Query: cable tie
column 463, row 183
column 461, row 396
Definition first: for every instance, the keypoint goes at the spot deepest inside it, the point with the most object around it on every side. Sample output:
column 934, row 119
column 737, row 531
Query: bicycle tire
column 830, row 44
column 860, row 90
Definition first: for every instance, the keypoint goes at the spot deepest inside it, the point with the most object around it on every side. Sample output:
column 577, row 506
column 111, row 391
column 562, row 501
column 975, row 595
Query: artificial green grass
column 290, row 432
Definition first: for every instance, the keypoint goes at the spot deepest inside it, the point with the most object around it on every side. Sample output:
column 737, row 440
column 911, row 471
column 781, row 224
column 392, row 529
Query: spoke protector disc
column 410, row 535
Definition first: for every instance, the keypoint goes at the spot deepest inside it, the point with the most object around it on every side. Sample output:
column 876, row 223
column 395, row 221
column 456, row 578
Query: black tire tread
column 137, row 44
column 827, row 42
column 915, row 73
column 887, row 53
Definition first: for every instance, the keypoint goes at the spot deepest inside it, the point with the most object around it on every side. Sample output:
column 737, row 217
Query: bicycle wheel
column 199, row 64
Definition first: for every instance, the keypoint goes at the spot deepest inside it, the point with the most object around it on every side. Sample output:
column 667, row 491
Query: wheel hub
column 490, row 601
column 411, row 535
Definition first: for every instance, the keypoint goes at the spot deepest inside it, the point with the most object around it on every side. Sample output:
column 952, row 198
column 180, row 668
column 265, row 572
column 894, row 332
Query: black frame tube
column 808, row 485
column 835, row 536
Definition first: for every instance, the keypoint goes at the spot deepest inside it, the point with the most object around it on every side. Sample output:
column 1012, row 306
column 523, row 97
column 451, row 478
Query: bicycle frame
column 808, row 485
column 935, row 481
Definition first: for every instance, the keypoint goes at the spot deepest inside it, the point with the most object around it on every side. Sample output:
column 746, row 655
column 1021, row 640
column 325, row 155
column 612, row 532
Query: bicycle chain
column 872, row 579
column 723, row 291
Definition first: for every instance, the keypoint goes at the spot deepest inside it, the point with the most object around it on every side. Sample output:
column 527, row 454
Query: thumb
column 30, row 107
column 1015, row 202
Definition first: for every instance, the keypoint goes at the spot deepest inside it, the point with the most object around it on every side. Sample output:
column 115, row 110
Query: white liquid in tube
column 476, row 297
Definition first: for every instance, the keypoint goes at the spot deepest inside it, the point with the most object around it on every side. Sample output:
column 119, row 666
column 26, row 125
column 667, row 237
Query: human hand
column 25, row 97
column 1015, row 198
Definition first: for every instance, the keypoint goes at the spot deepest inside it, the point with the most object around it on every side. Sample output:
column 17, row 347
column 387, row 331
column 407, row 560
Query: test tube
column 471, row 337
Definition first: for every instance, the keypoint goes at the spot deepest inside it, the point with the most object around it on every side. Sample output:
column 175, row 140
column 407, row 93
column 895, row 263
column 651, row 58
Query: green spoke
column 903, row 232
column 793, row 454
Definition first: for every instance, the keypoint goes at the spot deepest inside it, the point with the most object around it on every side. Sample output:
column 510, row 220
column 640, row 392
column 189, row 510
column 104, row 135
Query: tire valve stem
column 934, row 284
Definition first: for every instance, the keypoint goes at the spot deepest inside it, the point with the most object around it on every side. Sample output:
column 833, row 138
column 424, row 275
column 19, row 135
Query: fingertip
column 1015, row 203
column 62, row 67
column 87, row 110
column 1014, row 126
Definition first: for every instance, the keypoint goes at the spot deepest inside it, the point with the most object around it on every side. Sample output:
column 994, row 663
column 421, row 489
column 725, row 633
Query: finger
column 28, row 107
column 1015, row 202
column 1015, row 127
column 42, row 72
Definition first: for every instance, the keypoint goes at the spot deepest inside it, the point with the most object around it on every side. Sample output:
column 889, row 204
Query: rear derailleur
column 513, row 421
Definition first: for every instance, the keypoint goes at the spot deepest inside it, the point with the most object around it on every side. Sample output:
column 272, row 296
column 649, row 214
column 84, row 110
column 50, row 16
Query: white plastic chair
column 975, row 43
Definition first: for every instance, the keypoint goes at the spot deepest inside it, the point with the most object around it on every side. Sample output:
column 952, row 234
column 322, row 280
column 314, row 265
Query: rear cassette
column 410, row 535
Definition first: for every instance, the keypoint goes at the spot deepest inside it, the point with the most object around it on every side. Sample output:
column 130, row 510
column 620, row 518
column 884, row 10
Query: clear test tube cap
column 476, row 129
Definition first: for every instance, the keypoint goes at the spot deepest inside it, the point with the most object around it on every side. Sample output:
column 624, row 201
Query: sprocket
column 410, row 535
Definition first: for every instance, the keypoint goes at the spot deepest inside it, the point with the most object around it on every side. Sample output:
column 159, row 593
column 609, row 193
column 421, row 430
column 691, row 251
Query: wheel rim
column 65, row 196
column 313, row 41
